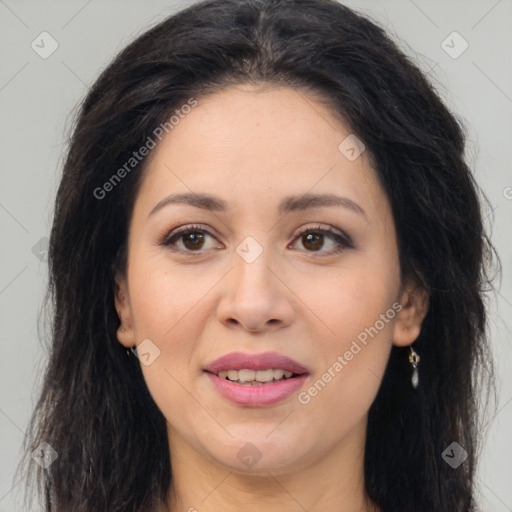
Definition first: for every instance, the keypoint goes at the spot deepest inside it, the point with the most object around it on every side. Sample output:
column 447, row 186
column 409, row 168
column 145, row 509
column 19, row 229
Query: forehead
column 249, row 143
column 246, row 120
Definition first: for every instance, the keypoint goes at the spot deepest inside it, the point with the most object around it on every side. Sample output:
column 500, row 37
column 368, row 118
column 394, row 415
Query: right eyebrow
column 203, row 201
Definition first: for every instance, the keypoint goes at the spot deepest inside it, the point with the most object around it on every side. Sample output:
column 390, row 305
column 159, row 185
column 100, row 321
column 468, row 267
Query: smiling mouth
column 247, row 377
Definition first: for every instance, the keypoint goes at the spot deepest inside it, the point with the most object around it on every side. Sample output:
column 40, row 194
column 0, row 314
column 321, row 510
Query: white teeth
column 233, row 374
column 246, row 375
column 252, row 376
column 278, row 374
column 264, row 375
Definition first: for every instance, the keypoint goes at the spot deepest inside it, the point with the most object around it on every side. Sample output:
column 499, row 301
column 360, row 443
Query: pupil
column 312, row 238
column 195, row 239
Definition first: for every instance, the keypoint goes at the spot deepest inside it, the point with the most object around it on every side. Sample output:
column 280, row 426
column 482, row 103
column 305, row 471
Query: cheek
column 167, row 309
column 165, row 297
column 359, row 308
column 352, row 366
column 349, row 300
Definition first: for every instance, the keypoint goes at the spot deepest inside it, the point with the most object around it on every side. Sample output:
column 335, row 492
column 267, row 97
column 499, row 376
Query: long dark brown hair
column 94, row 408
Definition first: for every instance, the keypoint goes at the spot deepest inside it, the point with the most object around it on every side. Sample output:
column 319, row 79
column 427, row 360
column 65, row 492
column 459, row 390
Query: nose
column 255, row 297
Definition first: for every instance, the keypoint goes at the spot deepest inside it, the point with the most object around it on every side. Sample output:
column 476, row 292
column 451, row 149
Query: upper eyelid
column 183, row 230
column 317, row 227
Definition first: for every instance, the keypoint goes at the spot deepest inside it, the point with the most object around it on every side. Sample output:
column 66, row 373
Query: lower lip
column 257, row 396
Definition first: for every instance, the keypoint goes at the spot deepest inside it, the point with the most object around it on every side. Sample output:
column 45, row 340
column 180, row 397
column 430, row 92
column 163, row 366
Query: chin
column 256, row 452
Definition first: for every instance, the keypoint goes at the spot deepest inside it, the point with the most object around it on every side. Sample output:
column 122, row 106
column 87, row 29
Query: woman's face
column 289, row 264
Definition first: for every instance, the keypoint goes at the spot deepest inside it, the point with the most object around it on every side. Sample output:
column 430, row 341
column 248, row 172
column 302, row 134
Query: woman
column 268, row 263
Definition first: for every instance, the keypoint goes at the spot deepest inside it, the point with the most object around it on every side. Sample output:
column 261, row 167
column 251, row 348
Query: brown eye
column 193, row 240
column 313, row 241
column 188, row 239
column 324, row 241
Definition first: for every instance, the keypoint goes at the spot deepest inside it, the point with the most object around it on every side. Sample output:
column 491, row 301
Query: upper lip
column 263, row 361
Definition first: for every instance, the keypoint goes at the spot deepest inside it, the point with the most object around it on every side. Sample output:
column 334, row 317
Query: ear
column 125, row 332
column 414, row 301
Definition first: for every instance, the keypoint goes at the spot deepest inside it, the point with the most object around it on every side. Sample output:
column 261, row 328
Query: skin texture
column 252, row 148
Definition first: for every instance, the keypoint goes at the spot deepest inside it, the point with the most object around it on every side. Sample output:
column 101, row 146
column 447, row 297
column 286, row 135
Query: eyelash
column 344, row 241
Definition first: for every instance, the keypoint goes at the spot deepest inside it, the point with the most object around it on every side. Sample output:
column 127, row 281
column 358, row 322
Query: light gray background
column 37, row 96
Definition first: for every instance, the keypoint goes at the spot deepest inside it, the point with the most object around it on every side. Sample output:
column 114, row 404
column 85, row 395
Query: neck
column 333, row 482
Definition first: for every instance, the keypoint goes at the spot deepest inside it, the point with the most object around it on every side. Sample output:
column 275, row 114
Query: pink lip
column 256, row 396
column 264, row 361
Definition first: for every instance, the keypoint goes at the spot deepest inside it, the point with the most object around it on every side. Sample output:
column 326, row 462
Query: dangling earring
column 414, row 359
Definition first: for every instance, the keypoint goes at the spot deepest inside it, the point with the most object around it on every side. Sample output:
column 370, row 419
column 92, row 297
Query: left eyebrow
column 306, row 201
column 287, row 205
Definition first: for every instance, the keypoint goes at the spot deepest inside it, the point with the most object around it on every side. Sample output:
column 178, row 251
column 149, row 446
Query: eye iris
column 196, row 238
column 317, row 240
